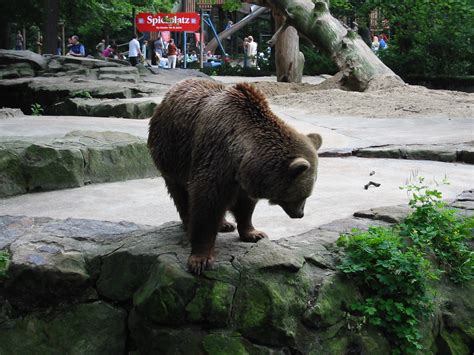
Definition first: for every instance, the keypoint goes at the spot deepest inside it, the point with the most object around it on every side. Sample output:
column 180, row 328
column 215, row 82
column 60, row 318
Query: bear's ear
column 316, row 139
column 298, row 165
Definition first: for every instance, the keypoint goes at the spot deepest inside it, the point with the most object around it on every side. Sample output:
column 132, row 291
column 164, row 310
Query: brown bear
column 222, row 149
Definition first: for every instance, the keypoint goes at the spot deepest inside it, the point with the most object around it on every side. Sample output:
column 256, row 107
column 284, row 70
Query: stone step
column 76, row 159
column 461, row 152
column 137, row 108
column 128, row 78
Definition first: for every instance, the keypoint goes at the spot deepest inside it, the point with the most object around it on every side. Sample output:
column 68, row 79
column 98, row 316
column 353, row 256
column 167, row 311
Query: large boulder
column 82, row 286
column 36, row 61
column 138, row 108
column 76, row 159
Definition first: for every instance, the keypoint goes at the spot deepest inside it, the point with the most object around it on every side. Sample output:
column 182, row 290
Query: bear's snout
column 294, row 209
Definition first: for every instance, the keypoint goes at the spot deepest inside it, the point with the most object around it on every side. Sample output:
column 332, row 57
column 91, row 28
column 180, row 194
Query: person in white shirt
column 134, row 50
column 252, row 51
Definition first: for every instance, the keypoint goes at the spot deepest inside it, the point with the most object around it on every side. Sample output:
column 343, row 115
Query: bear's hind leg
column 243, row 211
column 181, row 200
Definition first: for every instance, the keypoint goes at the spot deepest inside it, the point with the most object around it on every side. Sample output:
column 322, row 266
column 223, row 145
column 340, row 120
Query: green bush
column 429, row 37
column 393, row 267
column 393, row 280
column 4, row 262
column 437, row 230
column 36, row 109
column 317, row 63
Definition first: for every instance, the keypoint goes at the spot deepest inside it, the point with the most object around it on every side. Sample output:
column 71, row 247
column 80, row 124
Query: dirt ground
column 400, row 102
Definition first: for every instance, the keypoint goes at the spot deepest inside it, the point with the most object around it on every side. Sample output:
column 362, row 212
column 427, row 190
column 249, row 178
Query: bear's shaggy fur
column 222, row 149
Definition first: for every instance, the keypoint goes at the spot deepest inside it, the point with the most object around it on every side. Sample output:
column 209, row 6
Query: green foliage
column 4, row 262
column 392, row 267
column 393, row 279
column 435, row 229
column 232, row 5
column 429, row 37
column 36, row 109
column 317, row 63
column 83, row 94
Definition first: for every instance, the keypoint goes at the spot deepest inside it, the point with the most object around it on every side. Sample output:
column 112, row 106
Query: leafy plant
column 393, row 279
column 437, row 230
column 392, row 267
column 83, row 94
column 36, row 109
column 4, row 262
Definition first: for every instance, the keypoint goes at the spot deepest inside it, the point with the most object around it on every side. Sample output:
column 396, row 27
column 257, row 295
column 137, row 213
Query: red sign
column 178, row 22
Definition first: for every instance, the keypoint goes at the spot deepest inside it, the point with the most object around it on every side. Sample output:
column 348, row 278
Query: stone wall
column 92, row 287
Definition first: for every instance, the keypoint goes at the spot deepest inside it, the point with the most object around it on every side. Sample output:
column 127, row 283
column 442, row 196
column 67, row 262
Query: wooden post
column 24, row 38
column 201, row 40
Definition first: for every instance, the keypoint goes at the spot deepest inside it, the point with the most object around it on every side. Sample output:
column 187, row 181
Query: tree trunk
column 50, row 28
column 288, row 58
column 212, row 45
column 361, row 69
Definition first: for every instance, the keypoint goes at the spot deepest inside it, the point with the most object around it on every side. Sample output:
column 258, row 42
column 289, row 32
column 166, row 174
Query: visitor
column 245, row 46
column 191, row 58
column 110, row 51
column 375, row 44
column 39, row 43
column 19, row 41
column 59, row 44
column 172, row 51
column 382, row 42
column 134, row 50
column 229, row 41
column 252, row 51
column 145, row 50
column 76, row 49
column 159, row 48
column 100, row 47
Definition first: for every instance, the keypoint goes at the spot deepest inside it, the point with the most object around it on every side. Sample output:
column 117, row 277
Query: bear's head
column 291, row 193
column 287, row 181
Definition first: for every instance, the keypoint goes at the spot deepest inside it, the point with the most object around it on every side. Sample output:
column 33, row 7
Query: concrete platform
column 338, row 193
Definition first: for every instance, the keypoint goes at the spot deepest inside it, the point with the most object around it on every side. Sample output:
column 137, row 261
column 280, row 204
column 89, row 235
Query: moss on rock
column 93, row 328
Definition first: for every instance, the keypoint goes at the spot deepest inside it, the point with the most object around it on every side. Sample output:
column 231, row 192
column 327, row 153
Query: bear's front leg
column 206, row 213
column 243, row 211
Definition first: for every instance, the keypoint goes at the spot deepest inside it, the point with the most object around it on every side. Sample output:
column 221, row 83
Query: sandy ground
column 402, row 102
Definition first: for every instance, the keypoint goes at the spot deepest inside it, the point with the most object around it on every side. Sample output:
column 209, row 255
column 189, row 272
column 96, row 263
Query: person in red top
column 172, row 54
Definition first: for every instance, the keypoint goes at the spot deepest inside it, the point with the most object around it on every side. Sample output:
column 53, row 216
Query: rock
column 466, row 155
column 36, row 61
column 84, row 62
column 445, row 152
column 467, row 195
column 436, row 153
column 12, row 179
column 379, row 152
column 10, row 113
column 119, row 71
column 138, row 108
column 125, row 78
column 47, row 91
column 126, row 287
column 90, row 328
column 334, row 299
column 51, row 168
column 391, row 214
column 16, row 70
column 78, row 158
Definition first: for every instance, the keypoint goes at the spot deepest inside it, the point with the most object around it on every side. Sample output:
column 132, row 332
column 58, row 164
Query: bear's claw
column 253, row 236
column 197, row 264
column 226, row 227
